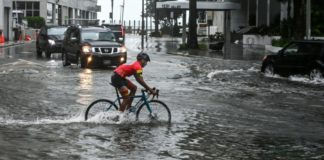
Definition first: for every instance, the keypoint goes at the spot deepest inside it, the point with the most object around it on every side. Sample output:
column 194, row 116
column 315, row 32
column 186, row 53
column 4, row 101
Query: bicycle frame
column 142, row 100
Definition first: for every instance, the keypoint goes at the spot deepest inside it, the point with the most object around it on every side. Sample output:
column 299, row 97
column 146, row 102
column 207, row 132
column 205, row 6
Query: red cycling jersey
column 127, row 70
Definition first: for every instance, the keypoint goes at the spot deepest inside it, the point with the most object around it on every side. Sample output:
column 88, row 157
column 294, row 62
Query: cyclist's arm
column 139, row 78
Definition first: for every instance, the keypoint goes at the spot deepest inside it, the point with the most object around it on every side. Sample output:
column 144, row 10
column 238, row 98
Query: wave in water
column 216, row 72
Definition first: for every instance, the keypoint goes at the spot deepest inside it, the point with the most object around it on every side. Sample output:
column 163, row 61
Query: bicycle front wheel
column 155, row 111
column 99, row 106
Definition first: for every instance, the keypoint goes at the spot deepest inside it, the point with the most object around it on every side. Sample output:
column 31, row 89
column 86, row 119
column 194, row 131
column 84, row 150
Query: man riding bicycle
column 118, row 79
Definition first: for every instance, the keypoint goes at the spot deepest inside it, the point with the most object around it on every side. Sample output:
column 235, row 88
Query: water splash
column 216, row 72
column 73, row 119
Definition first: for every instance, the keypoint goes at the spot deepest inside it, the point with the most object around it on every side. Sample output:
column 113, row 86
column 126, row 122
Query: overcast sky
column 132, row 12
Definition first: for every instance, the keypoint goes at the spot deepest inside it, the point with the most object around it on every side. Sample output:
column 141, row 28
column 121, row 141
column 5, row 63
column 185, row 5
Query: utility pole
column 122, row 17
column 146, row 22
column 142, row 40
column 112, row 11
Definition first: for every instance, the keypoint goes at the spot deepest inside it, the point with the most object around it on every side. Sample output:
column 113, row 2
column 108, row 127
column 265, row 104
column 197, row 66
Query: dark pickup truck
column 118, row 30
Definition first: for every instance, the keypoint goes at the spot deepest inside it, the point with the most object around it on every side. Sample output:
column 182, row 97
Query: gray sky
column 132, row 12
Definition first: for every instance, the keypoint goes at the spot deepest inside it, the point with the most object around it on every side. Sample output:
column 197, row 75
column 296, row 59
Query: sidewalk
column 11, row 43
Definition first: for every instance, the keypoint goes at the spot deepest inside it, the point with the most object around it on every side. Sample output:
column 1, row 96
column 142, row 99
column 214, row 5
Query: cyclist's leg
column 126, row 100
column 133, row 89
column 121, row 84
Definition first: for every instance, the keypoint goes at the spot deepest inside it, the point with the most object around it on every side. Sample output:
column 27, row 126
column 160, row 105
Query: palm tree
column 297, row 28
column 192, row 37
column 299, row 19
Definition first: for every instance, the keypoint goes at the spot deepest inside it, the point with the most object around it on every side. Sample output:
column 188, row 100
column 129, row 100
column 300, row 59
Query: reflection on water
column 85, row 86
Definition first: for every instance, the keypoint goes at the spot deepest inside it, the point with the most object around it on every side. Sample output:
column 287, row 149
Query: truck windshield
column 98, row 36
column 56, row 31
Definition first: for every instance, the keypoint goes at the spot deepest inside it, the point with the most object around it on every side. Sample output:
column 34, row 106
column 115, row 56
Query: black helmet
column 143, row 56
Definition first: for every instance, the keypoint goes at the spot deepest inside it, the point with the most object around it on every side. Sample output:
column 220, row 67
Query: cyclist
column 118, row 79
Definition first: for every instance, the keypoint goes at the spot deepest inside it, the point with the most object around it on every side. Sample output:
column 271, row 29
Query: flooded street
column 221, row 109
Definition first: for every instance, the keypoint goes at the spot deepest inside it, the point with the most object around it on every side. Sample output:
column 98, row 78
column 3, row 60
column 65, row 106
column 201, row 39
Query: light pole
column 142, row 40
column 146, row 24
column 112, row 11
column 122, row 19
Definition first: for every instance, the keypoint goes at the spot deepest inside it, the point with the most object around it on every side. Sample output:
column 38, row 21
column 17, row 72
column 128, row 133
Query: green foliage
column 183, row 47
column 176, row 30
column 280, row 42
column 317, row 18
column 265, row 30
column 35, row 22
column 202, row 46
column 286, row 28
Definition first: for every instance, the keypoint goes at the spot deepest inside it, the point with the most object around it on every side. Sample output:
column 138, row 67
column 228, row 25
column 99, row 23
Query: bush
column 186, row 47
column 35, row 22
column 280, row 42
column 265, row 30
column 183, row 47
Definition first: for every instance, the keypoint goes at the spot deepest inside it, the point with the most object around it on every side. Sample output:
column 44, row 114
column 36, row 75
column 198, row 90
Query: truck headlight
column 122, row 49
column 122, row 59
column 86, row 49
column 51, row 42
column 89, row 59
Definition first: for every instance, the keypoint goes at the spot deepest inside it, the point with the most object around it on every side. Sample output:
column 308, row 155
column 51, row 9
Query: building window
column 29, row 13
column 29, row 8
column 36, row 13
column 29, row 5
column 36, row 5
column 21, row 5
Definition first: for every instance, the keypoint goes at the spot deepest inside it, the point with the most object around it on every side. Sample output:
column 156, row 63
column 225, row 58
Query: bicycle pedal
column 132, row 109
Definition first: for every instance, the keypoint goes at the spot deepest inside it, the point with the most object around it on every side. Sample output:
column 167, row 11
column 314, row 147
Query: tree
column 160, row 15
column 295, row 27
column 299, row 19
column 192, row 37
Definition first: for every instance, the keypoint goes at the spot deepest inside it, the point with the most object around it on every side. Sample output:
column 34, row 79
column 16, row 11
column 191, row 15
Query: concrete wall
column 6, row 18
column 1, row 14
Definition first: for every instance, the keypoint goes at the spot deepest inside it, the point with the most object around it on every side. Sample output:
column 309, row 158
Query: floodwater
column 221, row 109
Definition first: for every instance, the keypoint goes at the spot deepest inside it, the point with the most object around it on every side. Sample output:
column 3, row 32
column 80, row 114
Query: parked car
column 118, row 30
column 92, row 46
column 298, row 57
column 49, row 40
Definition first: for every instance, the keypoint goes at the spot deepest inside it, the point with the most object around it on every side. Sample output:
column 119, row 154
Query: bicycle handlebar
column 157, row 92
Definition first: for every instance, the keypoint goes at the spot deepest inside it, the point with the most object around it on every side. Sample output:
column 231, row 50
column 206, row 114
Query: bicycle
column 144, row 108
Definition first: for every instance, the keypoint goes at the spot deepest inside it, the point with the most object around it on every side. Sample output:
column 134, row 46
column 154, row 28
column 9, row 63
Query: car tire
column 268, row 69
column 39, row 52
column 48, row 54
column 65, row 61
column 315, row 73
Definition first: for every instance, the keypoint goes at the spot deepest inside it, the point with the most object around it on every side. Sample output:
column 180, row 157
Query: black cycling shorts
column 118, row 81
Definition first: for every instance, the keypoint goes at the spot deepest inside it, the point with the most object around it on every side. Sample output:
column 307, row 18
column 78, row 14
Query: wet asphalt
column 221, row 109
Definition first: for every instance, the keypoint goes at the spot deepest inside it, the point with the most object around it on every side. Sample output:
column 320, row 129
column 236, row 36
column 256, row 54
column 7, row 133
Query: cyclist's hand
column 153, row 92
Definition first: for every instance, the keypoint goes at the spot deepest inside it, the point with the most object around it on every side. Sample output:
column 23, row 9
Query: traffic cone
column 27, row 37
column 2, row 39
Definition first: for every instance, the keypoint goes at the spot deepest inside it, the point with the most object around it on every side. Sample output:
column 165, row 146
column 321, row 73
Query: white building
column 59, row 12
column 6, row 18
column 252, row 13
column 56, row 12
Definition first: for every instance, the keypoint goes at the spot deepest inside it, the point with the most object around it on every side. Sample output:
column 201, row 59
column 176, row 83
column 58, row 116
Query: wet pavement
column 221, row 109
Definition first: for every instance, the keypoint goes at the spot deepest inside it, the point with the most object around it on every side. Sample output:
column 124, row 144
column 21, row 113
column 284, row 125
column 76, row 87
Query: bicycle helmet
column 144, row 56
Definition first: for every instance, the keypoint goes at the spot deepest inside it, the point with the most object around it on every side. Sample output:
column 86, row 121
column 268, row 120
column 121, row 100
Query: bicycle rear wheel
column 99, row 106
column 159, row 112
